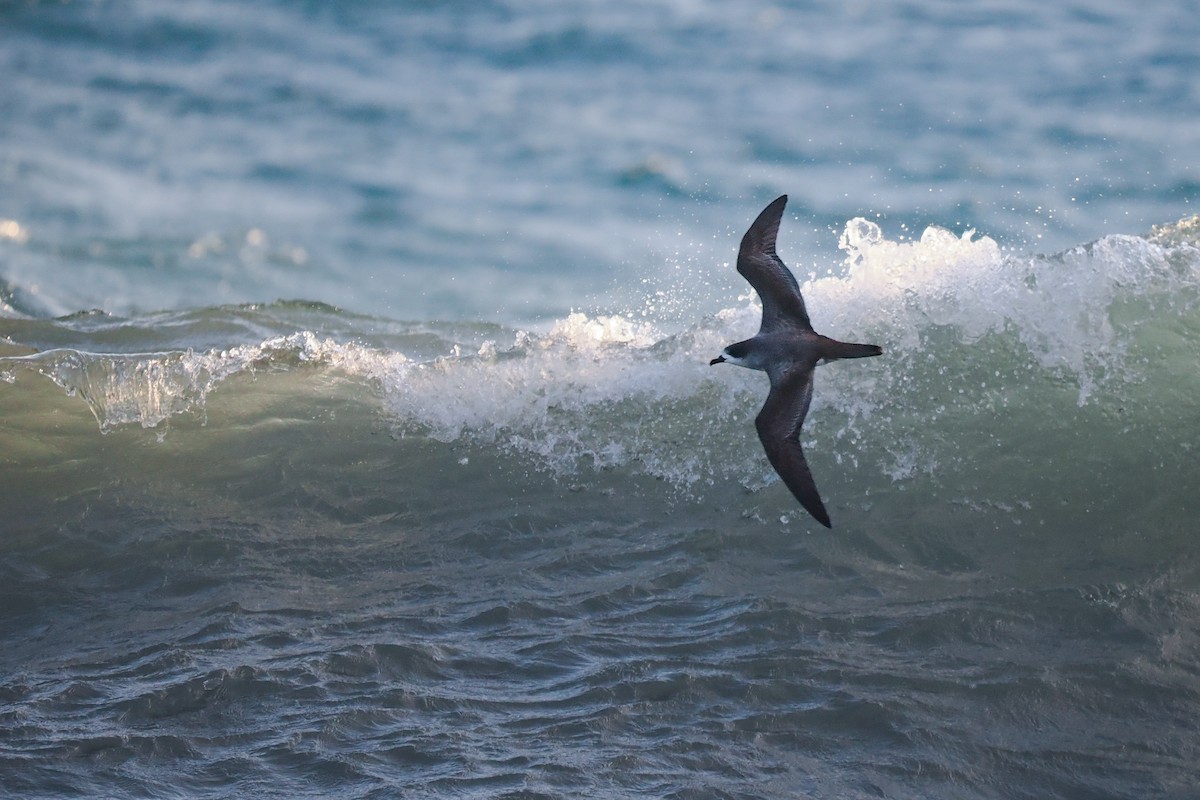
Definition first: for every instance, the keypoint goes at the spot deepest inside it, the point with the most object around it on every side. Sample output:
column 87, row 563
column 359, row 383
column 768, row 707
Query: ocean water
column 358, row 438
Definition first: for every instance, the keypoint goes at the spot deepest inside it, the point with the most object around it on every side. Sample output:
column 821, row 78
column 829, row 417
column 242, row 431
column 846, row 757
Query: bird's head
column 736, row 354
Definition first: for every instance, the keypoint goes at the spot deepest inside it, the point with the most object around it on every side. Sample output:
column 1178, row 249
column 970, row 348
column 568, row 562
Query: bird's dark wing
column 779, row 425
column 774, row 282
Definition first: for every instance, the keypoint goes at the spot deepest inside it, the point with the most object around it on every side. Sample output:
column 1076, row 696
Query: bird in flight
column 788, row 349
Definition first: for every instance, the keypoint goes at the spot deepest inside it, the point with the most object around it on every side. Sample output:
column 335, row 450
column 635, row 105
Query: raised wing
column 779, row 424
column 774, row 282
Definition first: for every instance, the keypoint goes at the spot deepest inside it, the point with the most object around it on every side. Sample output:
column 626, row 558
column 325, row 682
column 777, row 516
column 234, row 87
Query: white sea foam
column 962, row 323
column 1059, row 307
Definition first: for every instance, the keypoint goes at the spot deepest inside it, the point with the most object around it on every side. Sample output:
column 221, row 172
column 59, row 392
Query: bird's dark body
column 788, row 350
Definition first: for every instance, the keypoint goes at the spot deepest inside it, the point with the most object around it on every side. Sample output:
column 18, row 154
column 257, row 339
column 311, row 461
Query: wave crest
column 981, row 345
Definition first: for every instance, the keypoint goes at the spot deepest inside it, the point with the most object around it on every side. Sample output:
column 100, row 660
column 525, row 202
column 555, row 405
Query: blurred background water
column 499, row 161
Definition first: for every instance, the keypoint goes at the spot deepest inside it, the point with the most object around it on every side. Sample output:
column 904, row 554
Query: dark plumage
column 788, row 350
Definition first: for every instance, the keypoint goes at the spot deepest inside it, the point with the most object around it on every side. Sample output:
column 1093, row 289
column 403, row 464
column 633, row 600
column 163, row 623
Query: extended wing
column 779, row 424
column 774, row 282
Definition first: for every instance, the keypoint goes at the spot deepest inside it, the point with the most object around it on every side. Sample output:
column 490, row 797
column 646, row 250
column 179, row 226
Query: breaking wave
column 1010, row 383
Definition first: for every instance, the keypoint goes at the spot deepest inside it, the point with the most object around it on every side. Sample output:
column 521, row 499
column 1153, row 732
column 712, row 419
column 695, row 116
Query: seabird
column 788, row 350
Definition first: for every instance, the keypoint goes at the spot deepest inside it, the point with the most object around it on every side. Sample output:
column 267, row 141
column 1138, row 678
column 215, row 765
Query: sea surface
column 358, row 438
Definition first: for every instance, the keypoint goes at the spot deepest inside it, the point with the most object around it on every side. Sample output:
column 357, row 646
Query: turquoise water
column 358, row 439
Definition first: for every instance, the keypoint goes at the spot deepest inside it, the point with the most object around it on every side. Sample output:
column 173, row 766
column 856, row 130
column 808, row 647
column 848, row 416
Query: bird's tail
column 831, row 349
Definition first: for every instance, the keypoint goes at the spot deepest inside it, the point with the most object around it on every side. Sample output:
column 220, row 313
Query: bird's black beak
column 717, row 360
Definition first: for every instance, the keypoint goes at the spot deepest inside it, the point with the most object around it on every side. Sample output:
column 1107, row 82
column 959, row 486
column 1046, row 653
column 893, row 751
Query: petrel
column 788, row 350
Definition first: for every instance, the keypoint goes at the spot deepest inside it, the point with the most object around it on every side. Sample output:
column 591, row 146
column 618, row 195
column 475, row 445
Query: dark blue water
column 358, row 439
